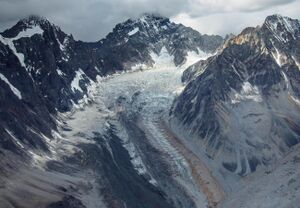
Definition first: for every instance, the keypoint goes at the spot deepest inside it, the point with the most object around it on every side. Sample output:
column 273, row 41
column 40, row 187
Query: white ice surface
column 163, row 59
column 157, row 86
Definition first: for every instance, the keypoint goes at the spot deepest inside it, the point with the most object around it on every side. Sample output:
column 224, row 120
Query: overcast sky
column 91, row 20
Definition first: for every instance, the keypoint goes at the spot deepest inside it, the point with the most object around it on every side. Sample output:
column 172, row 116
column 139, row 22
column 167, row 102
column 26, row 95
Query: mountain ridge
column 243, row 85
column 44, row 72
column 236, row 113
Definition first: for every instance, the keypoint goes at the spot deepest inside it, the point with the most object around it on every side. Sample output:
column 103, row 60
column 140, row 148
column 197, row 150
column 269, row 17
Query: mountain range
column 51, row 72
column 109, row 124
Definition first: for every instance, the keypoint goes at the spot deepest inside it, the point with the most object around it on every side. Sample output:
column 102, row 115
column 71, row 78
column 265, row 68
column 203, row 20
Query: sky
column 91, row 20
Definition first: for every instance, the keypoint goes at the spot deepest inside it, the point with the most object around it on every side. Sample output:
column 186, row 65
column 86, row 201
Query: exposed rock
column 242, row 105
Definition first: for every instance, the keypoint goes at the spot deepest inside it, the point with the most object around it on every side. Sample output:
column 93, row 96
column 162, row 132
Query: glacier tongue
column 136, row 101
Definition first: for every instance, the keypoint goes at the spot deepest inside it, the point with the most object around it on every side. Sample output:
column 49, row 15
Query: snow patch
column 287, row 84
column 193, row 57
column 96, row 68
column 143, row 19
column 134, row 31
column 248, row 92
column 163, row 59
column 164, row 27
column 14, row 138
column 59, row 72
column 139, row 67
column 75, row 83
column 63, row 47
column 296, row 62
column 295, row 100
column 13, row 89
column 29, row 32
column 136, row 160
column 279, row 57
column 286, row 80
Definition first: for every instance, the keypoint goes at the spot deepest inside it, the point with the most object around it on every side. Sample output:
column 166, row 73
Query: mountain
column 40, row 76
column 46, row 75
column 45, row 71
column 77, row 132
column 240, row 108
column 52, row 59
column 150, row 33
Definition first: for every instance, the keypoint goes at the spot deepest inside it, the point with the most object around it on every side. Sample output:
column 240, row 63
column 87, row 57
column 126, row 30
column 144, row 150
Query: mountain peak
column 150, row 16
column 147, row 19
column 277, row 18
column 274, row 16
column 146, row 25
column 33, row 20
column 282, row 27
column 30, row 22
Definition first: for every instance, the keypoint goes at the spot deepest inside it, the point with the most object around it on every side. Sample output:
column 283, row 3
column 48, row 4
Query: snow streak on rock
column 13, row 89
column 23, row 34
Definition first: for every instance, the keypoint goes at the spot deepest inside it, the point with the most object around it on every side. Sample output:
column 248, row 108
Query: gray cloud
column 223, row 23
column 93, row 19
